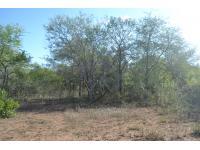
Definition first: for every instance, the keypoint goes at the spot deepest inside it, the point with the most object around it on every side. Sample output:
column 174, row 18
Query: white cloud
column 125, row 17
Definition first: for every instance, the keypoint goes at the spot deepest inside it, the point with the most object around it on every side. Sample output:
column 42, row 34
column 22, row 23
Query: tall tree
column 11, row 56
column 121, row 36
column 77, row 42
column 151, row 46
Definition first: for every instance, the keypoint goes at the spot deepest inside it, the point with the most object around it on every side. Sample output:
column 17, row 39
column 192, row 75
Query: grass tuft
column 196, row 131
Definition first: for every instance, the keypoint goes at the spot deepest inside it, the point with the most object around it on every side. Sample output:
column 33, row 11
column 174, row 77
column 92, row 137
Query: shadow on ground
column 51, row 105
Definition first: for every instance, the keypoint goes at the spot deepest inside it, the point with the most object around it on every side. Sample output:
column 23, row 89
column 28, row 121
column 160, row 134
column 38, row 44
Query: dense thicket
column 116, row 60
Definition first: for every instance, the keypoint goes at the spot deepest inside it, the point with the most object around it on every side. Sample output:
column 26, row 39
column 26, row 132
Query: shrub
column 196, row 131
column 8, row 106
column 153, row 135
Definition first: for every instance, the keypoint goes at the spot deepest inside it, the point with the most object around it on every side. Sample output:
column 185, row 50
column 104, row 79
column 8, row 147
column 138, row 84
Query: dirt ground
column 95, row 124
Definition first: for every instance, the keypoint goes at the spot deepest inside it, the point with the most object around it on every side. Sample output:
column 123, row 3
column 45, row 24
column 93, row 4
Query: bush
column 154, row 136
column 196, row 130
column 8, row 106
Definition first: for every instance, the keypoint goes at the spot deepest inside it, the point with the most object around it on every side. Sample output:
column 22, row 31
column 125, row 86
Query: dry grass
column 96, row 124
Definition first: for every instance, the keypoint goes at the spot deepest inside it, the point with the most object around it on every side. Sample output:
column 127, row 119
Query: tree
column 121, row 36
column 45, row 82
column 151, row 44
column 136, row 59
column 11, row 56
column 77, row 42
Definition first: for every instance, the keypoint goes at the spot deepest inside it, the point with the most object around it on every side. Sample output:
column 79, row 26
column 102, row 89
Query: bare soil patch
column 96, row 124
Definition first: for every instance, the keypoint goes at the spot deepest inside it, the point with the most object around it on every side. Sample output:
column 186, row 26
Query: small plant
column 153, row 136
column 196, row 130
column 162, row 120
column 133, row 128
column 8, row 106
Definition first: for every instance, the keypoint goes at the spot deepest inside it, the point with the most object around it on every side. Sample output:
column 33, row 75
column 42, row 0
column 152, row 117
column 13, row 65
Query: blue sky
column 32, row 20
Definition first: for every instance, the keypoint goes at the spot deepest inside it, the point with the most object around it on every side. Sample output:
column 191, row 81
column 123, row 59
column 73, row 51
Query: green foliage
column 8, row 106
column 124, row 60
column 196, row 130
column 43, row 81
column 12, row 58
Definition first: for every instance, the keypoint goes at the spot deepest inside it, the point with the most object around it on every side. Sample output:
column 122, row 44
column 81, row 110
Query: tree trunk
column 5, row 79
column 120, row 80
column 80, row 89
column 146, row 78
column 91, row 95
column 80, row 86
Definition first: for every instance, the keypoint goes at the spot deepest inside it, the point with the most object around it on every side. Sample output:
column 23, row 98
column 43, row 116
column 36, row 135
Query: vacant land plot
column 96, row 124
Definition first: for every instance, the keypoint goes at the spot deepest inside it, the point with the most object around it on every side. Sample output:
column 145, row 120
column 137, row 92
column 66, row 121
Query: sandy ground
column 95, row 124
